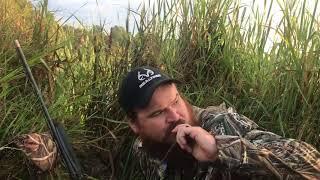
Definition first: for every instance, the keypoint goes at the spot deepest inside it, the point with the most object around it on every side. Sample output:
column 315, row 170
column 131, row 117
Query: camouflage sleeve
column 150, row 167
column 246, row 149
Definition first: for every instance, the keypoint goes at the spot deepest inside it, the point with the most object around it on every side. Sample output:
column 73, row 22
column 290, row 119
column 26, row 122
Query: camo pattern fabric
column 39, row 149
column 246, row 151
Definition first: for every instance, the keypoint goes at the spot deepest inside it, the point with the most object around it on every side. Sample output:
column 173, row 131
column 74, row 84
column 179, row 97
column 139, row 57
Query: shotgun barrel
column 56, row 129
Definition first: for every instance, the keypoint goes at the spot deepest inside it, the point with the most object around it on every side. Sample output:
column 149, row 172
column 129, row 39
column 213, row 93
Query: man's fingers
column 183, row 130
column 180, row 138
column 180, row 126
column 196, row 141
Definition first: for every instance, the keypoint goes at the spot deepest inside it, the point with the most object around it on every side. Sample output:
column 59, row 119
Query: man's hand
column 202, row 146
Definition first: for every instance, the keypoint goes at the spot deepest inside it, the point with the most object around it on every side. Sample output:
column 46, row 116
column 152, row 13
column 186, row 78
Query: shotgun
column 56, row 129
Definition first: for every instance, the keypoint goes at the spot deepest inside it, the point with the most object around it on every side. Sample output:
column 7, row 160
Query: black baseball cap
column 137, row 87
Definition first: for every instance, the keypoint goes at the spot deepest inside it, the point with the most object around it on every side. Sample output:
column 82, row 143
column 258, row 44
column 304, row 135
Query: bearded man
column 179, row 141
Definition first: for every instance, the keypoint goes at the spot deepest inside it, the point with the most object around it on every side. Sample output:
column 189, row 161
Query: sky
column 111, row 12
column 114, row 12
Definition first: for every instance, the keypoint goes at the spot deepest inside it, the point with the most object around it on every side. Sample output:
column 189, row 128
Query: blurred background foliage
column 220, row 50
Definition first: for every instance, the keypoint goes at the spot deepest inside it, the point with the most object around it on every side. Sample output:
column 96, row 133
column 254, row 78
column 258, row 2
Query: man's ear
column 134, row 126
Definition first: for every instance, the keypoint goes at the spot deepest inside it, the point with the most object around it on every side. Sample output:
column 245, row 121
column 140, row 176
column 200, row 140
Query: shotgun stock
column 56, row 129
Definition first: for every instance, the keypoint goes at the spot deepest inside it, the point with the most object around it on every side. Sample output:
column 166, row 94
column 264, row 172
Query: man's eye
column 156, row 113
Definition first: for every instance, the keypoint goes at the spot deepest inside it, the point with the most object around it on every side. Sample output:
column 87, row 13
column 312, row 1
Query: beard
column 171, row 153
column 168, row 150
column 158, row 148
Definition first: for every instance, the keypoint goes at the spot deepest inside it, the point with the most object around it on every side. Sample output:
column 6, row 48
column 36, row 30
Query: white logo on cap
column 142, row 77
column 147, row 77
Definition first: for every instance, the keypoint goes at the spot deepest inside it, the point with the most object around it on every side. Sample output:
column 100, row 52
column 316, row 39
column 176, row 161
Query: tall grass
column 220, row 50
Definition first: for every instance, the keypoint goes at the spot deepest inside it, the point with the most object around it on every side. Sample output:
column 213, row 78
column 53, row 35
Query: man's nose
column 172, row 115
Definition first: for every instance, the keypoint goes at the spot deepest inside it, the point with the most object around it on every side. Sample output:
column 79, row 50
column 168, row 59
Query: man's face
column 165, row 110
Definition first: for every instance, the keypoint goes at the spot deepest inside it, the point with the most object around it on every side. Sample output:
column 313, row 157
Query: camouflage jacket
column 245, row 152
